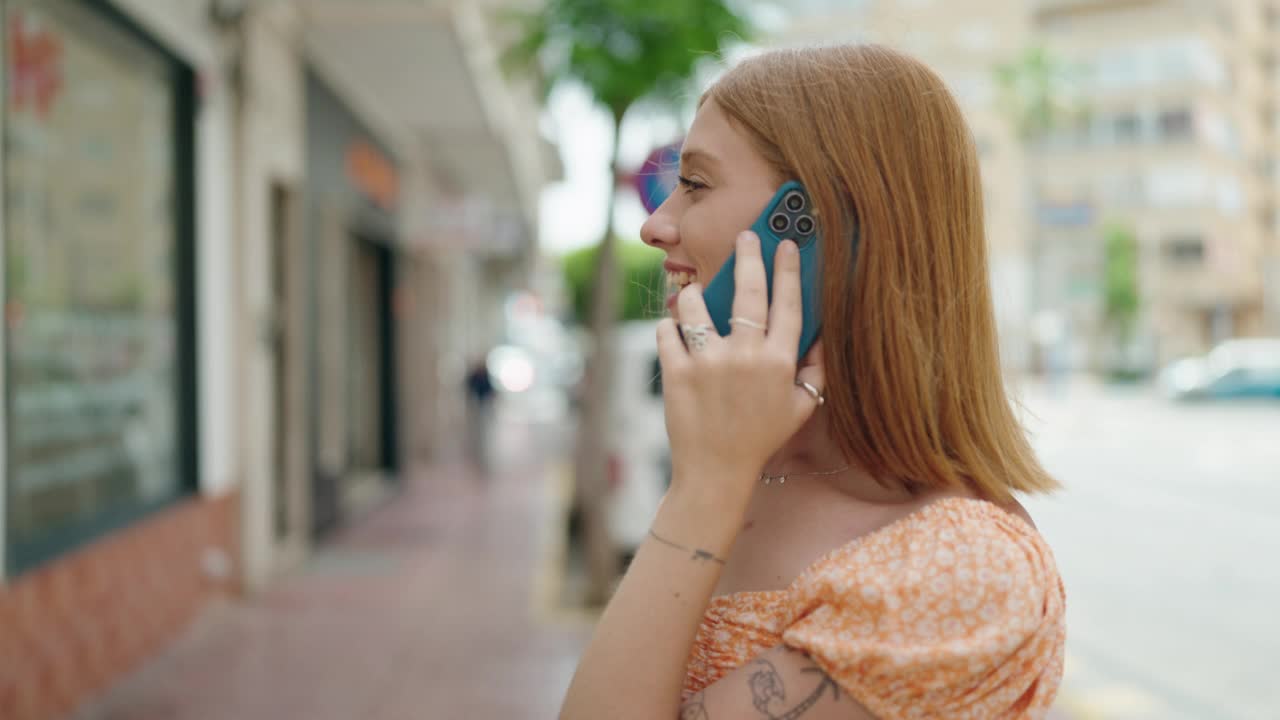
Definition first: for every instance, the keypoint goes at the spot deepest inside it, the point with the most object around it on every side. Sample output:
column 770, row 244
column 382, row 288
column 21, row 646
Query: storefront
column 98, row 268
column 116, row 527
column 353, row 191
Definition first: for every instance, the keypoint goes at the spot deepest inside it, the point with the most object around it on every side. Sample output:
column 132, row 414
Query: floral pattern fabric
column 955, row 611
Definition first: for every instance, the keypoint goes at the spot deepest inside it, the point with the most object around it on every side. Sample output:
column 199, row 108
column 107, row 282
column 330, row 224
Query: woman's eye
column 689, row 185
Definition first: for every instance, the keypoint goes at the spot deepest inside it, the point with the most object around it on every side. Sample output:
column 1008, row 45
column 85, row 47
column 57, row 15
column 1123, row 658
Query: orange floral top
column 955, row 611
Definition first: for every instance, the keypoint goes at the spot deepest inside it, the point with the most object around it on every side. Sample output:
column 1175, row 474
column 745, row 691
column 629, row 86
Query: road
column 1168, row 538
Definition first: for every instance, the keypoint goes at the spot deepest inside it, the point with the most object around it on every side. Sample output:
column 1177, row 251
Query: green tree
column 640, row 279
column 623, row 52
column 1121, row 299
column 1035, row 92
column 1037, row 96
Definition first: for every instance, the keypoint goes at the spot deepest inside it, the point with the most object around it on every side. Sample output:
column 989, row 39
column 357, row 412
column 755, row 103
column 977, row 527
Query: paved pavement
column 425, row 609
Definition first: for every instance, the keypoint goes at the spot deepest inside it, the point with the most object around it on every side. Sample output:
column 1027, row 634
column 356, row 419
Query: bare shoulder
column 1015, row 508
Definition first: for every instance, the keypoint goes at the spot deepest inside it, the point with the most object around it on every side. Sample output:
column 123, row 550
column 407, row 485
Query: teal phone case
column 778, row 222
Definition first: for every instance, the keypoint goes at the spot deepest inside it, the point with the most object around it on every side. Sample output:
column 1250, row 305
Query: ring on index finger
column 748, row 323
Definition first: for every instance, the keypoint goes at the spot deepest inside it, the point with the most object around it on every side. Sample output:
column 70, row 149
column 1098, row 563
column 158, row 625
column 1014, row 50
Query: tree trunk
column 590, row 471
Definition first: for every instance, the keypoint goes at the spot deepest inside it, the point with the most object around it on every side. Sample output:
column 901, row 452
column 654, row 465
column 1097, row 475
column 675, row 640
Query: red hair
column 914, row 390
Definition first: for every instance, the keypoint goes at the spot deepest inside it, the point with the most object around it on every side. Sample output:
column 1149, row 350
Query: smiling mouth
column 678, row 280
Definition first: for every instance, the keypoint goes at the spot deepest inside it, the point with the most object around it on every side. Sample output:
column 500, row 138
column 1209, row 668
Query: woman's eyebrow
column 702, row 157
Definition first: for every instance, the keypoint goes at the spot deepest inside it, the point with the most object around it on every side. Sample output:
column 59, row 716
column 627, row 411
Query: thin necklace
column 783, row 478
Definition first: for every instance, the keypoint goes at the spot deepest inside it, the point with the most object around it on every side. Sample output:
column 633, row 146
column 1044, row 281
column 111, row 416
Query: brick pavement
column 421, row 610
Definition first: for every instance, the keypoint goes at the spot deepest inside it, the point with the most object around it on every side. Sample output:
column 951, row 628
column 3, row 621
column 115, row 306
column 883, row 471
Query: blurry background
column 311, row 406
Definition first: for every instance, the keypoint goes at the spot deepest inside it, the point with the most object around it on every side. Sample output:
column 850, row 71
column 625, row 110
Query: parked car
column 639, row 452
column 1233, row 369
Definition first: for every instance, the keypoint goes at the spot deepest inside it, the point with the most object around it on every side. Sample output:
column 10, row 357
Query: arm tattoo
column 697, row 554
column 766, row 688
column 694, row 709
column 814, row 696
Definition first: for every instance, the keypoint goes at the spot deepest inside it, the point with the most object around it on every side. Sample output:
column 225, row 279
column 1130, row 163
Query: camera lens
column 780, row 223
column 795, row 202
column 804, row 225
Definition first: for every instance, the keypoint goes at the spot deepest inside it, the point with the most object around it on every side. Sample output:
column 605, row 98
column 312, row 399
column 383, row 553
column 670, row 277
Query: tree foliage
column 1037, row 92
column 641, row 281
column 622, row 50
column 1120, row 296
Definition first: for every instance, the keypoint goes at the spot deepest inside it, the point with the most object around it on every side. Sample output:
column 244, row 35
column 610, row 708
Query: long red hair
column 914, row 390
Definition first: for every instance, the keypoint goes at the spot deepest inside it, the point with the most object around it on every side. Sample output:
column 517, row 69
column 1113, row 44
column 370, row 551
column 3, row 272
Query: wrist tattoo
column 697, row 554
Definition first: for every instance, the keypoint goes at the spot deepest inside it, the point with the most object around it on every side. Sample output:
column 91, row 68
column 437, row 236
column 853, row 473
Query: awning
column 426, row 73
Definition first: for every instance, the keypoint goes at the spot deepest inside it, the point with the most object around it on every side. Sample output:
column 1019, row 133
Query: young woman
column 892, row 574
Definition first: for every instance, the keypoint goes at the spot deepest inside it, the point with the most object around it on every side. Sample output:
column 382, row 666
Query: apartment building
column 1176, row 141
column 1169, row 129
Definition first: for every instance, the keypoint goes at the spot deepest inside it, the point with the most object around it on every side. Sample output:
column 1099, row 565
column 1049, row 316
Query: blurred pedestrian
column 840, row 538
column 480, row 392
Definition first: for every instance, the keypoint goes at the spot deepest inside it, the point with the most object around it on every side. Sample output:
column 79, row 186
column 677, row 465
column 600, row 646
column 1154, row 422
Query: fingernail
column 789, row 247
column 746, row 235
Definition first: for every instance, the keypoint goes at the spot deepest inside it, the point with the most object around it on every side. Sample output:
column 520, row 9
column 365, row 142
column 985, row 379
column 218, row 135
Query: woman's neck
column 811, row 455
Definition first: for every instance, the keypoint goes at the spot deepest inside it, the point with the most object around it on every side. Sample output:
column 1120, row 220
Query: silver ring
column 695, row 336
column 813, row 391
column 748, row 323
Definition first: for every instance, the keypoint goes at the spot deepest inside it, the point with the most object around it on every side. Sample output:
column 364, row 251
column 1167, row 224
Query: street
column 1167, row 538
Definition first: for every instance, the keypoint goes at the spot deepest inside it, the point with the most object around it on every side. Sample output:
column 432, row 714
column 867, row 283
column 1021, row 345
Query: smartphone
column 787, row 216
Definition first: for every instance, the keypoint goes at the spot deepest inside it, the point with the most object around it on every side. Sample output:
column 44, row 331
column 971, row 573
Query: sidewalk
column 424, row 609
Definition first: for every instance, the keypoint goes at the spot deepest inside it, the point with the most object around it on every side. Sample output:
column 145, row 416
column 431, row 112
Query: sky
column 571, row 212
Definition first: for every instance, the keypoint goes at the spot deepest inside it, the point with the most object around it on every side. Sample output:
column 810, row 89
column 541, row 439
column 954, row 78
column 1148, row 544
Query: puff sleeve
column 955, row 613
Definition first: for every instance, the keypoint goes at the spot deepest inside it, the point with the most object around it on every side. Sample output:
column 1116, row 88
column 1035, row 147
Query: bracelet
column 697, row 554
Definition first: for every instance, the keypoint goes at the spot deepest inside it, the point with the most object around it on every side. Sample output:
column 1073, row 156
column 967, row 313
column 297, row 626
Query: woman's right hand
column 731, row 402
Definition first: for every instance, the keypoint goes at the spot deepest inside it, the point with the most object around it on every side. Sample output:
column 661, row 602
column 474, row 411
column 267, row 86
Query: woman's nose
column 660, row 230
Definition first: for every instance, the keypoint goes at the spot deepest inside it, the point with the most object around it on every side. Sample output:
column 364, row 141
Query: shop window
column 97, row 264
column 1126, row 128
column 1176, row 124
column 1184, row 250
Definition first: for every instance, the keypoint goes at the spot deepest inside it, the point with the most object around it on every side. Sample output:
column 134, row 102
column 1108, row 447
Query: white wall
column 274, row 152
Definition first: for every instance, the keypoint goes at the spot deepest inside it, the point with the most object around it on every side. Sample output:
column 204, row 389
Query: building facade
column 121, row 503
column 247, row 246
column 1175, row 143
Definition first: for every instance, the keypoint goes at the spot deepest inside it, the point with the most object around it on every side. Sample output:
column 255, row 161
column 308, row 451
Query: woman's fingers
column 786, row 315
column 671, row 352
column 696, row 327
column 812, row 373
column 751, row 289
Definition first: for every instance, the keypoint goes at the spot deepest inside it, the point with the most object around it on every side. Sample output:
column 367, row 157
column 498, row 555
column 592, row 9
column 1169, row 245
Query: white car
column 639, row 452
column 1235, row 369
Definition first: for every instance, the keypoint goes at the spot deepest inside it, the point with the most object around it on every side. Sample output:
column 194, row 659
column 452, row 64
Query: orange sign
column 373, row 174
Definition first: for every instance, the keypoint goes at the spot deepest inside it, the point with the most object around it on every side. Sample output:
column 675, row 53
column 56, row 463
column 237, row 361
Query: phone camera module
column 804, row 225
column 795, row 202
column 780, row 223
